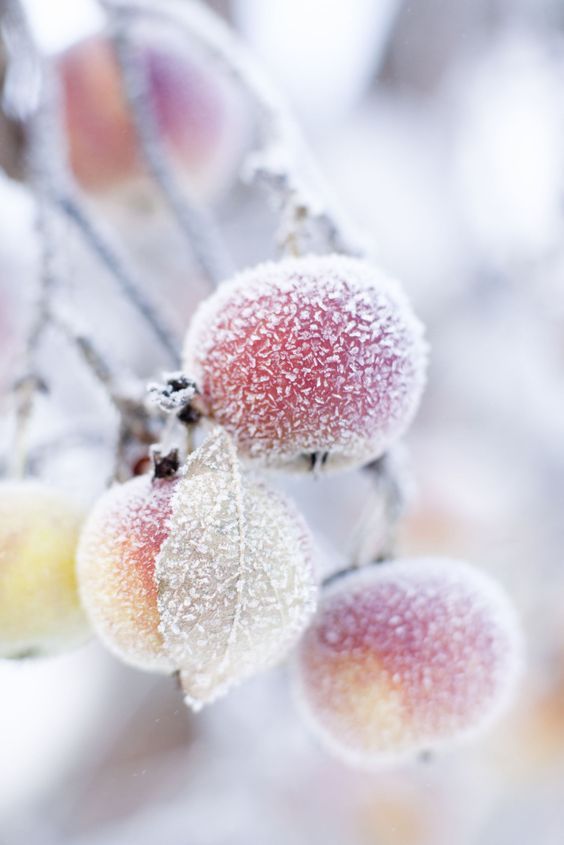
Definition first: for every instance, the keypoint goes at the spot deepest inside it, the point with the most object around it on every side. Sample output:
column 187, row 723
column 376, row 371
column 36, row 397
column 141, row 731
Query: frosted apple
column 207, row 573
column 198, row 112
column 309, row 361
column 40, row 611
column 407, row 656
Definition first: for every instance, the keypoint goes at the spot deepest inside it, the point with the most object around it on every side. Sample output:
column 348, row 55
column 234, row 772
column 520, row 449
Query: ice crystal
column 234, row 575
column 174, row 394
column 206, row 573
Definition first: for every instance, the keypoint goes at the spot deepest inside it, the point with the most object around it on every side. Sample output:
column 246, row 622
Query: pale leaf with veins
column 234, row 575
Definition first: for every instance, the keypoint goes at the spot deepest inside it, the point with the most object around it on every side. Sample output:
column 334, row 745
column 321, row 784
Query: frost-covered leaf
column 234, row 576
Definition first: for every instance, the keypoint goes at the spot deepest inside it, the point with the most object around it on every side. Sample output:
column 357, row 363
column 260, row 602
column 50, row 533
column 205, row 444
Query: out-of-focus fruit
column 40, row 611
column 200, row 116
column 407, row 656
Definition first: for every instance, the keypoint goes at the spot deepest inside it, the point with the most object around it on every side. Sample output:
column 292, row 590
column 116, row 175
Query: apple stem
column 374, row 538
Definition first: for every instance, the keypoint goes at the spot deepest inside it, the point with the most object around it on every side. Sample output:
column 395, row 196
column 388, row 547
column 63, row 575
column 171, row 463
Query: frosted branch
column 32, row 96
column 195, row 223
column 375, row 535
column 26, row 101
column 306, row 219
column 99, row 242
column 138, row 424
column 90, row 354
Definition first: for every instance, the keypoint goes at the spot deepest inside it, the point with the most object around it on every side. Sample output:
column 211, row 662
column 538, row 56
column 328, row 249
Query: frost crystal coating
column 234, row 578
column 116, row 566
column 306, row 357
column 206, row 573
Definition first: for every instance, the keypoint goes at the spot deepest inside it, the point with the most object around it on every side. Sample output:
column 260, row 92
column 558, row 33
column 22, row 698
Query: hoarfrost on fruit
column 116, row 562
column 207, row 573
column 407, row 656
column 235, row 575
column 315, row 356
column 40, row 611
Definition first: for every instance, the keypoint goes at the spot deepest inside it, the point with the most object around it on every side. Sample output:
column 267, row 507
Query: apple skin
column 407, row 656
column 40, row 611
column 199, row 113
column 319, row 355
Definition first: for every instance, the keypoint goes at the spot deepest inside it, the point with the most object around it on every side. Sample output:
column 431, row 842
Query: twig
column 273, row 164
column 29, row 383
column 139, row 424
column 25, row 100
column 91, row 355
column 195, row 223
column 32, row 95
column 375, row 535
column 93, row 235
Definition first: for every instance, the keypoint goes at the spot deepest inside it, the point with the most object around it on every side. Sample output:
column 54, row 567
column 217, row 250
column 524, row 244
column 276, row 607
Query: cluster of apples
column 305, row 363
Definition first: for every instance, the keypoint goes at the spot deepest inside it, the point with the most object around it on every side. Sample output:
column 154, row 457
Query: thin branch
column 99, row 243
column 375, row 536
column 90, row 354
column 32, row 95
column 30, row 383
column 273, row 164
column 139, row 425
column 25, row 100
column 195, row 223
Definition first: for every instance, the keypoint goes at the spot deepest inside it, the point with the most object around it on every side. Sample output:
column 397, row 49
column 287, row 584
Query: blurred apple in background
column 197, row 108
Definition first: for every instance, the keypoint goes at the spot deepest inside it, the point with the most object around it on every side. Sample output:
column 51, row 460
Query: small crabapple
column 206, row 573
column 315, row 360
column 406, row 656
column 40, row 611
column 116, row 568
column 197, row 110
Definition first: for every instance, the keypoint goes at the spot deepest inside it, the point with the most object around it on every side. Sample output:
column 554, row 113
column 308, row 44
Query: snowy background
column 439, row 124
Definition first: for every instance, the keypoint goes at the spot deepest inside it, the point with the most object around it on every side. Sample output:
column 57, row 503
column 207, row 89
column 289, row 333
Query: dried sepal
column 174, row 394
